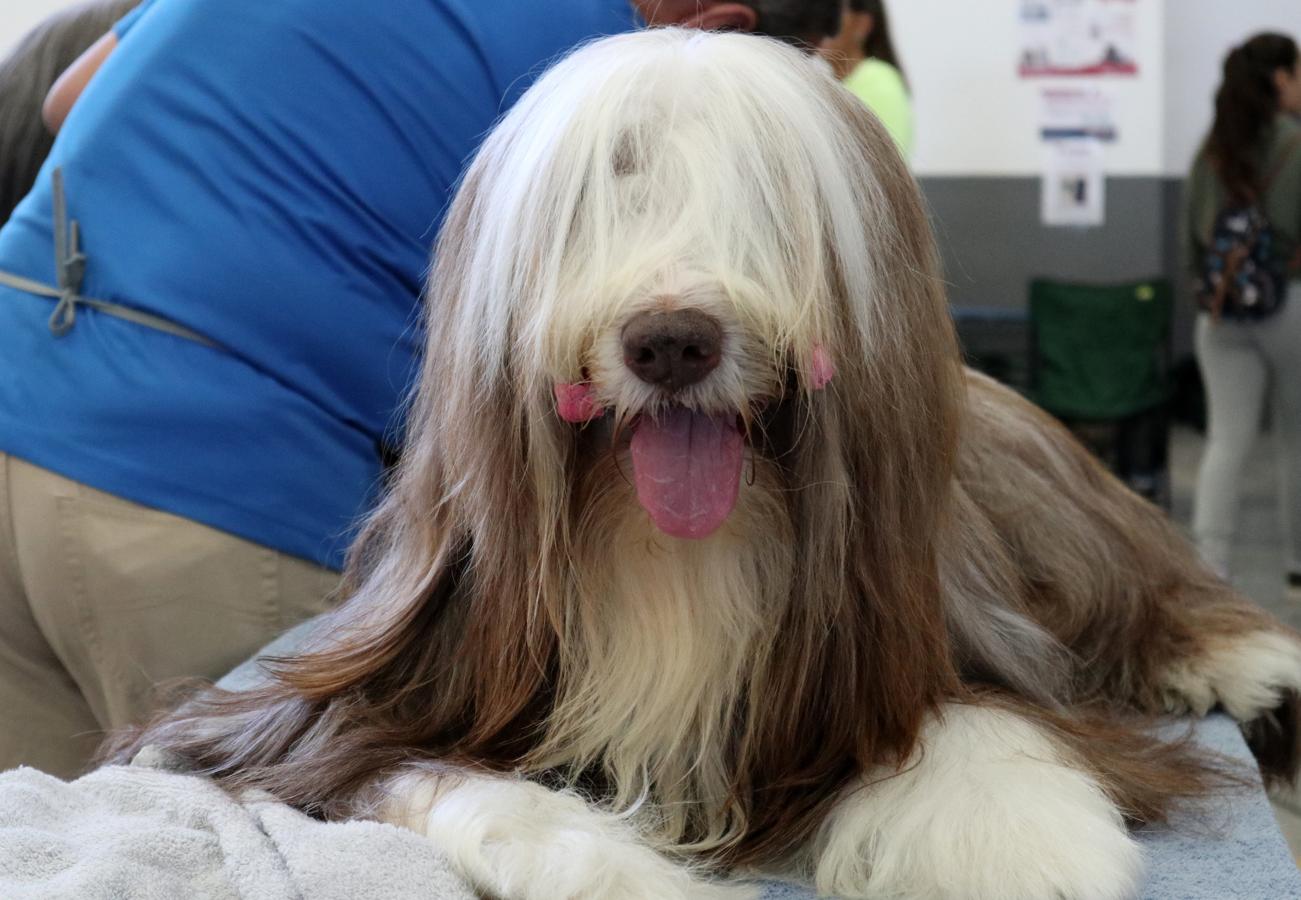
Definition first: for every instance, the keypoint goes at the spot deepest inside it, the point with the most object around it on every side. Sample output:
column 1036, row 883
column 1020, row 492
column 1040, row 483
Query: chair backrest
column 1100, row 351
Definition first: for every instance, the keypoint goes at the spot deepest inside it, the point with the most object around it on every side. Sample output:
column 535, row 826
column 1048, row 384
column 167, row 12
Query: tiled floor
column 1257, row 559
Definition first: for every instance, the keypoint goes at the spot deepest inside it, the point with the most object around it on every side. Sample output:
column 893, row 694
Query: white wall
column 976, row 117
column 17, row 17
column 1199, row 33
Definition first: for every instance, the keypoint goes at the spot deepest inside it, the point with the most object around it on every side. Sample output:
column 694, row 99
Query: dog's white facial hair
column 638, row 198
column 589, row 218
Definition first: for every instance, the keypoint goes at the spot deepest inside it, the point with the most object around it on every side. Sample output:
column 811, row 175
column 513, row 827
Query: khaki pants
column 101, row 599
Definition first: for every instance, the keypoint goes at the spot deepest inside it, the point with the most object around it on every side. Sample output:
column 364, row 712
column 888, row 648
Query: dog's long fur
column 927, row 602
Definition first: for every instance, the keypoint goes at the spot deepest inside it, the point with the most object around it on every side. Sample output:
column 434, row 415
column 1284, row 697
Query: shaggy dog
column 705, row 556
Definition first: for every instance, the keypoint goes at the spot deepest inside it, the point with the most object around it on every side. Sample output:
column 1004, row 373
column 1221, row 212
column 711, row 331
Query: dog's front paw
column 986, row 811
column 1248, row 674
column 519, row 841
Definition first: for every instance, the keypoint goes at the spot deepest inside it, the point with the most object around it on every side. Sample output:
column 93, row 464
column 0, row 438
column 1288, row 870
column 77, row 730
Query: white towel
column 138, row 833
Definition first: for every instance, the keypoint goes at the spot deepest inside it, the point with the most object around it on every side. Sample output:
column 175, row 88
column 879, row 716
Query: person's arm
column 68, row 87
column 1190, row 218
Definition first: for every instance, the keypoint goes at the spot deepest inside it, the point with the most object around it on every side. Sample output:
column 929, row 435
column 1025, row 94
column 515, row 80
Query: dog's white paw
column 1247, row 674
column 520, row 841
column 986, row 811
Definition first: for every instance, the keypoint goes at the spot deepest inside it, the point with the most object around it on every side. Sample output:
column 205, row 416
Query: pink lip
column 823, row 369
column 576, row 404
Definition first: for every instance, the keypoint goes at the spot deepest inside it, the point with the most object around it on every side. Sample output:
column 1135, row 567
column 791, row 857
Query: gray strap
column 70, row 269
column 69, row 263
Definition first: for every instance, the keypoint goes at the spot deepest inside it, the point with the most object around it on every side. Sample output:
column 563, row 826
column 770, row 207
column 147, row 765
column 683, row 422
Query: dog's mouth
column 688, row 464
column 687, row 469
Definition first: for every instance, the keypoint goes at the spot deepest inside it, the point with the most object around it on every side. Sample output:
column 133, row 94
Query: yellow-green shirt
column 880, row 86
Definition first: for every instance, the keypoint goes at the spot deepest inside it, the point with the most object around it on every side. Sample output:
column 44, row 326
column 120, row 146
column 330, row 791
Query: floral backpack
column 1244, row 269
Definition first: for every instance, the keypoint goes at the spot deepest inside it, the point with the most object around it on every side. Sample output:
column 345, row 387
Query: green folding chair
column 1100, row 360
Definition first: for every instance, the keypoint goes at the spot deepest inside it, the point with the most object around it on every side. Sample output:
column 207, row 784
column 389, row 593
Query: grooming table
column 1234, row 852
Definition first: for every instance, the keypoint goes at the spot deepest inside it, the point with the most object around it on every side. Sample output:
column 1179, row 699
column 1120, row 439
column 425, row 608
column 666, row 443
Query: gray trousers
column 1241, row 363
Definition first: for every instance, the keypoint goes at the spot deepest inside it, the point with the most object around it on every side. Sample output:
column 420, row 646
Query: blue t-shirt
column 270, row 174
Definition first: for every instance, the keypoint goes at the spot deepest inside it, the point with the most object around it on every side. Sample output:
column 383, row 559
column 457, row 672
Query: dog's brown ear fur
column 888, row 433
column 864, row 657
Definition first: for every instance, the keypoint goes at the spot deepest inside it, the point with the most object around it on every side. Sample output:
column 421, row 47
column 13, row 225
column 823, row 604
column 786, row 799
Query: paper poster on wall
column 1078, row 38
column 1074, row 183
column 1076, row 112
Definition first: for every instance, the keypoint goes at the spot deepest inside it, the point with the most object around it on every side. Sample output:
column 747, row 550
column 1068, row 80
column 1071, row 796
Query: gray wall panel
column 993, row 242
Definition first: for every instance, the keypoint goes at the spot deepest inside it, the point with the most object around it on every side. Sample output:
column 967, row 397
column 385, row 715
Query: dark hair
column 797, row 21
column 878, row 44
column 1245, row 108
column 27, row 75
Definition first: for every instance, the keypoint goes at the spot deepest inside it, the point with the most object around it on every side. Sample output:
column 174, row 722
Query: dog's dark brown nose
column 672, row 349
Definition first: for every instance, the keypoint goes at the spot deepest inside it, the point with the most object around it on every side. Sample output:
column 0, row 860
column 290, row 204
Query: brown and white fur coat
column 910, row 642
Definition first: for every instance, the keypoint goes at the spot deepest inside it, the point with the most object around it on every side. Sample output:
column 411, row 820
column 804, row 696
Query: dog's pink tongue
column 688, row 470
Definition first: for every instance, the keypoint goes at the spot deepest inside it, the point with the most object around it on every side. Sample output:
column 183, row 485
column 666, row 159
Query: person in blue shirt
column 208, row 320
